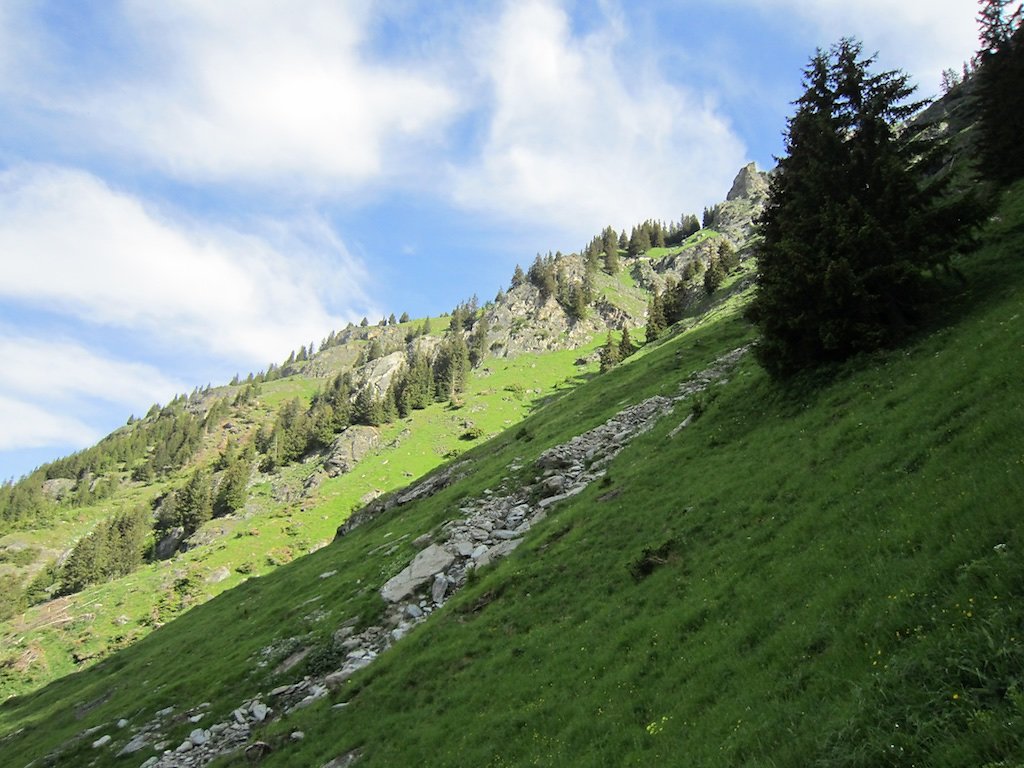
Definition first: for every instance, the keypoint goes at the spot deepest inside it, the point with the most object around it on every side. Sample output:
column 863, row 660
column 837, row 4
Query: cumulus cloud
column 75, row 246
column 261, row 90
column 580, row 139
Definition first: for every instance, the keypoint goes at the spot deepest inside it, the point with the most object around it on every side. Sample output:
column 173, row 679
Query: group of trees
column 547, row 274
column 115, row 548
column 614, row 352
column 425, row 377
column 854, row 233
column 151, row 447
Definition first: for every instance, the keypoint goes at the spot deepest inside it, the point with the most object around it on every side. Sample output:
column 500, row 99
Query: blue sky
column 190, row 189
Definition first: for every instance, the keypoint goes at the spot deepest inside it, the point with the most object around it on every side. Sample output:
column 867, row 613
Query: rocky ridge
column 489, row 528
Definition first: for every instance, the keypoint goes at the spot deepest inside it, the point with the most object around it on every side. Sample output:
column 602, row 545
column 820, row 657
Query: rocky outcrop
column 378, row 374
column 749, row 184
column 735, row 217
column 349, row 448
column 487, row 529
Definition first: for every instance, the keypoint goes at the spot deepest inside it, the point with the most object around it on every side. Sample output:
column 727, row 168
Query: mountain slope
column 829, row 575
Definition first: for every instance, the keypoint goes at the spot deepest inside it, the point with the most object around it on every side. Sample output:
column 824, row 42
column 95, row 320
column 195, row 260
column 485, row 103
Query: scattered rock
column 431, row 560
column 102, row 741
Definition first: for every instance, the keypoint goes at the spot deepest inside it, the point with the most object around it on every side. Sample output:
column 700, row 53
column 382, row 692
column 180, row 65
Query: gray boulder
column 430, row 561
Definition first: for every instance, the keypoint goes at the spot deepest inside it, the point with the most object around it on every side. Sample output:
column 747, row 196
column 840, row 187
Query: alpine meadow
column 739, row 488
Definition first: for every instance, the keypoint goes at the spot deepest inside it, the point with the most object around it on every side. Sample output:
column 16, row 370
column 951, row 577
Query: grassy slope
column 109, row 616
column 841, row 583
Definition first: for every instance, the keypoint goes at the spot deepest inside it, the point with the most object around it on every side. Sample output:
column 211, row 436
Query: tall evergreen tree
column 655, row 317
column 1001, row 91
column 713, row 276
column 609, row 354
column 626, row 346
column 851, row 232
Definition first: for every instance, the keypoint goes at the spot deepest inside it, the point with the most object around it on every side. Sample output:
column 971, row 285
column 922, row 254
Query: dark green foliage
column 609, row 354
column 639, row 241
column 451, row 367
column 195, row 501
column 364, row 322
column 478, row 340
column 1001, row 92
column 518, row 277
column 713, row 276
column 851, row 234
column 231, row 490
column 542, row 275
column 626, row 346
column 114, row 549
column 656, row 321
column 368, row 409
column 611, row 260
column 12, row 597
column 727, row 256
column 404, row 318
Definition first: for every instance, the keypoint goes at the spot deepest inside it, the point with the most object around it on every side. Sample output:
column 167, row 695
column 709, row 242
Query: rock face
column 349, row 448
column 735, row 217
column 57, row 488
column 169, row 544
column 749, row 184
column 378, row 374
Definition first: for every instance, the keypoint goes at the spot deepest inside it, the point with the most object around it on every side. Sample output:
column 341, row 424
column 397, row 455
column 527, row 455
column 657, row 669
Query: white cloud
column 580, row 139
column 263, row 90
column 74, row 246
column 42, row 369
column 27, row 425
column 921, row 37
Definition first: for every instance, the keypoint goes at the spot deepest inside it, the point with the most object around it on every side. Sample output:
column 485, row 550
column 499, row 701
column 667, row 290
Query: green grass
column 499, row 395
column 825, row 574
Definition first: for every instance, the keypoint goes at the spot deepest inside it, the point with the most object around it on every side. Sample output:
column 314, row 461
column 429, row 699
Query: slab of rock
column 349, row 448
column 430, row 561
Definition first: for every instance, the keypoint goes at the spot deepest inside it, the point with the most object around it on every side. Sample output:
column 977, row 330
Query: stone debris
column 491, row 527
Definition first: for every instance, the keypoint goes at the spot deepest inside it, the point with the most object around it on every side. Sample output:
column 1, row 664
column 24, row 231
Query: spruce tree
column 1001, row 92
column 655, row 318
column 609, row 354
column 851, row 233
column 626, row 347
column 713, row 276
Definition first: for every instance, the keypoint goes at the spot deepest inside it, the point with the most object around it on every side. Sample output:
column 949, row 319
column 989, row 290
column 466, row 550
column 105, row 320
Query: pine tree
column 231, row 490
column 626, row 347
column 518, row 277
column 404, row 318
column 713, row 276
column 195, row 501
column 609, row 354
column 655, row 318
column 1001, row 92
column 851, row 232
column 611, row 261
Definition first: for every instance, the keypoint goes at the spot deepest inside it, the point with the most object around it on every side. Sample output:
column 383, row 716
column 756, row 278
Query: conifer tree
column 713, row 276
column 609, row 354
column 851, row 233
column 655, row 317
column 195, row 501
column 1001, row 91
column 626, row 347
